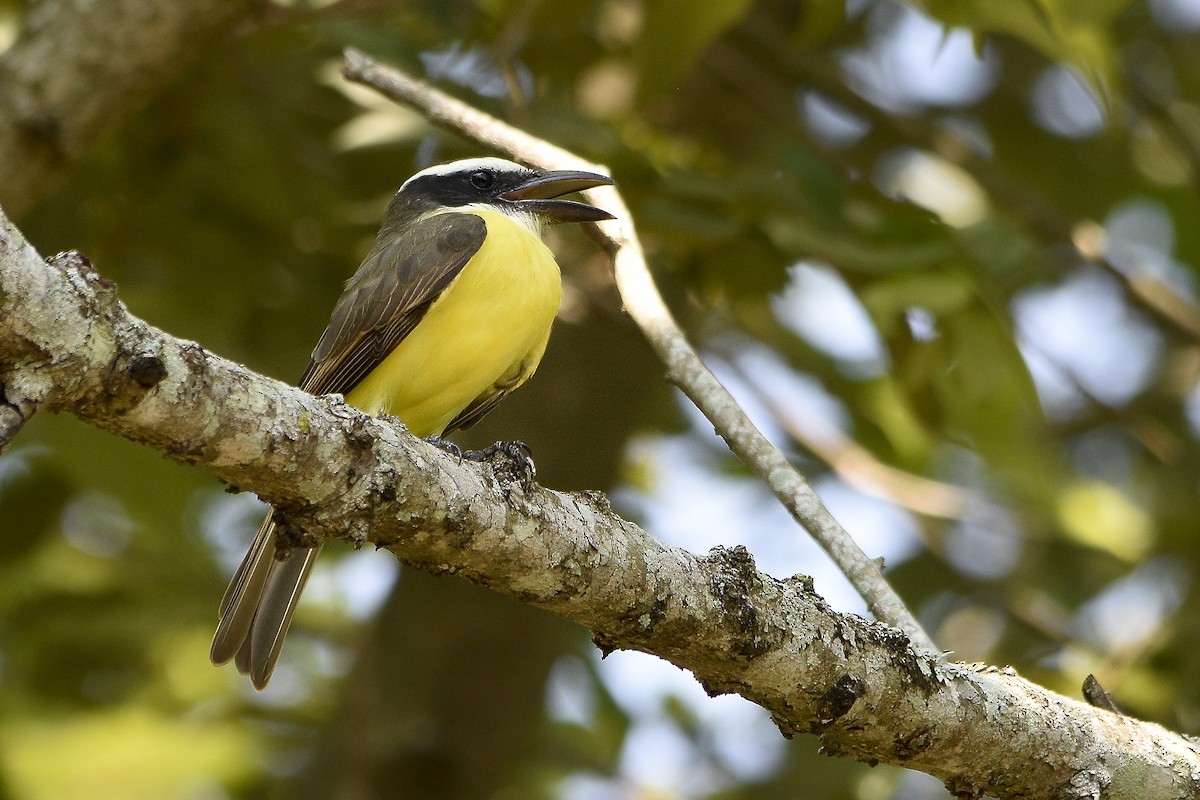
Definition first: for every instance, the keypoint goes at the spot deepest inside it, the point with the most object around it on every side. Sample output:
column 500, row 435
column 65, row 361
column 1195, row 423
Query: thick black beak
column 534, row 195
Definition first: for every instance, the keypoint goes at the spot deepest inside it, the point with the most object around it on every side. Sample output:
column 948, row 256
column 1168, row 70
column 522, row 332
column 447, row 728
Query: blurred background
column 945, row 253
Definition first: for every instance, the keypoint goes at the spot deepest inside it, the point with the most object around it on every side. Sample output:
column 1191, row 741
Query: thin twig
column 645, row 305
column 858, row 466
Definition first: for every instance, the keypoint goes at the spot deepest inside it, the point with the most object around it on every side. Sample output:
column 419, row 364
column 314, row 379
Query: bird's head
column 500, row 185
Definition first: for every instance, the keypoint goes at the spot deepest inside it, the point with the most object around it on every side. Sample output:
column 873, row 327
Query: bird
column 449, row 312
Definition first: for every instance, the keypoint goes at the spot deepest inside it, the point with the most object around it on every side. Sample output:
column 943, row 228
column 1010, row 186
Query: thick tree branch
column 332, row 471
column 79, row 68
column 645, row 305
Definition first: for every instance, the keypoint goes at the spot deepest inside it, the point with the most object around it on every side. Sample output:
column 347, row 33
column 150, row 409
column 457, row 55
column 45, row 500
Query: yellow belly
column 491, row 324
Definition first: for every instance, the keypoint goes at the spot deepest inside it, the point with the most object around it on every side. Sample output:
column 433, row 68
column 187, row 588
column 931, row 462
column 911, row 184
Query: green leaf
column 676, row 32
column 1072, row 31
column 939, row 293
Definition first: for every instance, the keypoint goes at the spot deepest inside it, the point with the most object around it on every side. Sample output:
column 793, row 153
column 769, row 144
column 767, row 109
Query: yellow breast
column 491, row 324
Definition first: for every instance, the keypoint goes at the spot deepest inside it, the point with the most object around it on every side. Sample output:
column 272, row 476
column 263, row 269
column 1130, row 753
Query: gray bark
column 68, row 345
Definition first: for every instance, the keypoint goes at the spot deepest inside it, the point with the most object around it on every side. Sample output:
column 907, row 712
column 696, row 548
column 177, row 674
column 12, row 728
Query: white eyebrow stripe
column 467, row 165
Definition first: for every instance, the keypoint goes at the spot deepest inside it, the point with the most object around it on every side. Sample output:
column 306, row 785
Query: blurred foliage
column 1004, row 207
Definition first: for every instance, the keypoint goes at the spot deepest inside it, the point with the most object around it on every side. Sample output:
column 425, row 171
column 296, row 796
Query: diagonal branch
column 332, row 471
column 858, row 467
column 645, row 304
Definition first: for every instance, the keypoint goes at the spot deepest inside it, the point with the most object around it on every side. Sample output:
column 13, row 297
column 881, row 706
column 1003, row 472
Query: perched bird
column 449, row 312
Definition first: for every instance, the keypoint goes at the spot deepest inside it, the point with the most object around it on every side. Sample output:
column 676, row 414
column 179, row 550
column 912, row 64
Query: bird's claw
column 447, row 446
column 518, row 456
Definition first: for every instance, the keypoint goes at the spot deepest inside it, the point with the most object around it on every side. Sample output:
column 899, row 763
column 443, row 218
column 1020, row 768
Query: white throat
column 529, row 221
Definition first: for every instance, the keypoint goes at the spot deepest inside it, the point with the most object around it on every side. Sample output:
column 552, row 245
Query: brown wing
column 400, row 278
column 480, row 407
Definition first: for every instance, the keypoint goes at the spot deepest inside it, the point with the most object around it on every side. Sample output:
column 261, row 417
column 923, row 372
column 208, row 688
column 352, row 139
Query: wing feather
column 402, row 276
column 477, row 410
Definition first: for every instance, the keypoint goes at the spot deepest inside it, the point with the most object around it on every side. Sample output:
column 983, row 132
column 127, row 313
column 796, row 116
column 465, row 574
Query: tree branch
column 332, row 471
column 78, row 69
column 858, row 467
column 645, row 305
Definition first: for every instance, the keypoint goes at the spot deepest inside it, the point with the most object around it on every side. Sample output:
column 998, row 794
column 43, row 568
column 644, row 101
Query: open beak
column 536, row 196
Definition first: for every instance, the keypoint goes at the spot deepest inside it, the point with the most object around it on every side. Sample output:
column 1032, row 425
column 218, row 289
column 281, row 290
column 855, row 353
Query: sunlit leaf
column 1098, row 515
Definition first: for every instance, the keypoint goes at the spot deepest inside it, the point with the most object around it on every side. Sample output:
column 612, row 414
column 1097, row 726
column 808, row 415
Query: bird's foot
column 447, row 446
column 518, row 463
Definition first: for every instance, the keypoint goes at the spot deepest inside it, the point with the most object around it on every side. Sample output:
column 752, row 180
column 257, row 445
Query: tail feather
column 242, row 659
column 240, row 603
column 259, row 604
column 275, row 610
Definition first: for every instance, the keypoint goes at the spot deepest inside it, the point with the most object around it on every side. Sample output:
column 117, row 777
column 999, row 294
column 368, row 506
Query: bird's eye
column 482, row 179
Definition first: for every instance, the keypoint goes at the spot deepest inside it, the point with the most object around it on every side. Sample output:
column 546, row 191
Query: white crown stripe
column 468, row 165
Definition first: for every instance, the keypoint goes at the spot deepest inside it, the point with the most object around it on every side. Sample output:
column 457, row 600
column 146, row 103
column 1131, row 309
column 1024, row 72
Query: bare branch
column 332, row 471
column 645, row 304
